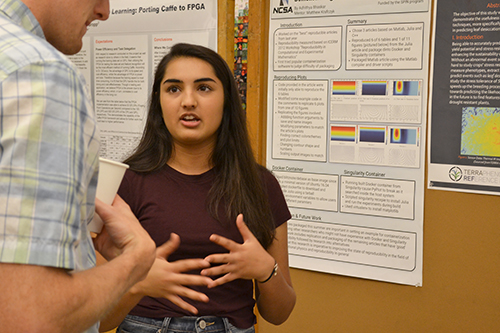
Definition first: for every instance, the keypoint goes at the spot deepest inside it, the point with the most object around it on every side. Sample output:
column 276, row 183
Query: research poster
column 347, row 108
column 119, row 57
column 464, row 135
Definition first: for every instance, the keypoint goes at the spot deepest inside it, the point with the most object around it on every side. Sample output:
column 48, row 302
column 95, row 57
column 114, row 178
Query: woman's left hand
column 244, row 261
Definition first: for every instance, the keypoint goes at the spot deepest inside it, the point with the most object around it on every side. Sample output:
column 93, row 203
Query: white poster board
column 347, row 96
column 119, row 57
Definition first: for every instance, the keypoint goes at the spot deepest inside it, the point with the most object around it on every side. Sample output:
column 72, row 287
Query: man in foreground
column 49, row 152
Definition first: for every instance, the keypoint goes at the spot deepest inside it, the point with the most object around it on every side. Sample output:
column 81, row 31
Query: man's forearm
column 45, row 299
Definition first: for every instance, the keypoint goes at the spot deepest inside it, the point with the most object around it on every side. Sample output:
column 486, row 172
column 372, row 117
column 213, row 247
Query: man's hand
column 122, row 233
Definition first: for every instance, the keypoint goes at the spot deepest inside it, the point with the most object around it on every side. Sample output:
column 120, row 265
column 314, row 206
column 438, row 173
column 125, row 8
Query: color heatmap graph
column 343, row 133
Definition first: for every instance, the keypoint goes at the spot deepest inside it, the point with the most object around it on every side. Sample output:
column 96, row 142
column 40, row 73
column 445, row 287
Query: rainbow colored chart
column 344, row 87
column 480, row 132
column 343, row 133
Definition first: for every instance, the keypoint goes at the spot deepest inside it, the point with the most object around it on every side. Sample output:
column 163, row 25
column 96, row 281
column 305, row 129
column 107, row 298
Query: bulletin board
column 461, row 261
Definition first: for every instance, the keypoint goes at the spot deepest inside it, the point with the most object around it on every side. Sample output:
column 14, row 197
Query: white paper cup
column 109, row 180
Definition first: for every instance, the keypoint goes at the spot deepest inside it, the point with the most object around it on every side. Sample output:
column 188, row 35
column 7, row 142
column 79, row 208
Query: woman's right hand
column 167, row 279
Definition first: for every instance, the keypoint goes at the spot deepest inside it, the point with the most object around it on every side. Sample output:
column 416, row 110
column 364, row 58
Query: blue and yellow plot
column 480, row 132
column 406, row 88
column 374, row 88
column 372, row 134
column 406, row 136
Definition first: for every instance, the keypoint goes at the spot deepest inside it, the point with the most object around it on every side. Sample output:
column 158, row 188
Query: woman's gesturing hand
column 167, row 279
column 244, row 261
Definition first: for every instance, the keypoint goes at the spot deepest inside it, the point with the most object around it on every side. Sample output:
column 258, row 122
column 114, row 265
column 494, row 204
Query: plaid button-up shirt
column 49, row 148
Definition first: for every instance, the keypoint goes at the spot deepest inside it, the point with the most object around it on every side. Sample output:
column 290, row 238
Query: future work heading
column 157, row 10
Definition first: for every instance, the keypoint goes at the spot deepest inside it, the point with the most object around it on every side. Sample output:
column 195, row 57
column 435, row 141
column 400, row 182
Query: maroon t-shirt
column 168, row 201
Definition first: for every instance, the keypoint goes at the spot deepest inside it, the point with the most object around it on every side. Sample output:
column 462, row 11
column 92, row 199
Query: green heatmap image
column 480, row 131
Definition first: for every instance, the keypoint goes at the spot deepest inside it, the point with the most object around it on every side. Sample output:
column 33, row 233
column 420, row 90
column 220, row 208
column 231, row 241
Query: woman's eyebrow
column 172, row 81
column 203, row 79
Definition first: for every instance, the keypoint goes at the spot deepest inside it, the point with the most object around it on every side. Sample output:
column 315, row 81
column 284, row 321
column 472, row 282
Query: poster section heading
column 355, row 245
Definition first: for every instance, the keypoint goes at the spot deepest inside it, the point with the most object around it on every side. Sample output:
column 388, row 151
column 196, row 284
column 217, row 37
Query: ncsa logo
column 455, row 174
column 283, row 8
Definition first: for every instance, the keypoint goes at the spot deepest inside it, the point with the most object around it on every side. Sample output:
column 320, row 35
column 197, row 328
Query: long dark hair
column 238, row 181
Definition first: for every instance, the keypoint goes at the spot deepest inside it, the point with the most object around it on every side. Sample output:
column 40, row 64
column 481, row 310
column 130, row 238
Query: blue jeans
column 209, row 324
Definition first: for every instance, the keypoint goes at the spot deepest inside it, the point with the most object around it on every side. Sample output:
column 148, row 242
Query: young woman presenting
column 218, row 218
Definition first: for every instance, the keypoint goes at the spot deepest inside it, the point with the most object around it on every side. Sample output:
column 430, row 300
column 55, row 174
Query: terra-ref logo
column 455, row 174
column 283, row 7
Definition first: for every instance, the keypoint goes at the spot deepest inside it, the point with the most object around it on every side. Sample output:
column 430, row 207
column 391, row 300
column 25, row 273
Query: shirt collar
column 19, row 13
